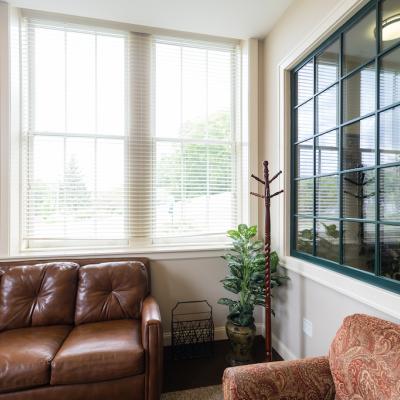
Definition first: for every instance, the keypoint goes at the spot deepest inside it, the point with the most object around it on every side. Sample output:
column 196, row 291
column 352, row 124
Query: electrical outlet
column 307, row 327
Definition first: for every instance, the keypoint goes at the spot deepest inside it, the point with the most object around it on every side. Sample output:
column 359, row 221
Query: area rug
column 203, row 393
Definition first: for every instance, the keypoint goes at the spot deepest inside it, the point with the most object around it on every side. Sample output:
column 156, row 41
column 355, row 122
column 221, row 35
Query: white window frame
column 370, row 295
column 10, row 164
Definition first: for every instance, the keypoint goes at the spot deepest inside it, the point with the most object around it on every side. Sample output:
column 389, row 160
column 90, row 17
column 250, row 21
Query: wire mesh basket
column 192, row 329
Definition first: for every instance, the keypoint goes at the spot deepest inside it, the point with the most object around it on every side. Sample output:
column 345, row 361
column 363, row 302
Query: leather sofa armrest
column 152, row 338
column 309, row 378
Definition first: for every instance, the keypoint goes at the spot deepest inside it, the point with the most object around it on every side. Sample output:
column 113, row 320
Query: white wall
column 321, row 296
column 191, row 279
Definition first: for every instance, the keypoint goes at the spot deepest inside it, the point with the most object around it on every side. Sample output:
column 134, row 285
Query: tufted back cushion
column 37, row 295
column 365, row 359
column 111, row 291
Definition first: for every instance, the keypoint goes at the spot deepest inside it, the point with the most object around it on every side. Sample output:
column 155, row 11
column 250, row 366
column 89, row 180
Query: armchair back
column 364, row 359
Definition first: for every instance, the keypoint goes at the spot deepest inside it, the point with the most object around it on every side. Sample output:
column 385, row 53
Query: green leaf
column 226, row 302
column 274, row 260
column 235, row 270
column 258, row 245
column 252, row 231
column 231, row 287
column 242, row 228
column 233, row 234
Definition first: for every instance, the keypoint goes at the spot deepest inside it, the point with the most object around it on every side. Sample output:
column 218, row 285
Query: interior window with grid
column 346, row 150
column 128, row 139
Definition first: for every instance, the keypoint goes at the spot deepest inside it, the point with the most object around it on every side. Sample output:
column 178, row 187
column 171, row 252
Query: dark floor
column 188, row 374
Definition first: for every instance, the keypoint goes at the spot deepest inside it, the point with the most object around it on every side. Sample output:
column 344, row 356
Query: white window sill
column 370, row 295
column 158, row 253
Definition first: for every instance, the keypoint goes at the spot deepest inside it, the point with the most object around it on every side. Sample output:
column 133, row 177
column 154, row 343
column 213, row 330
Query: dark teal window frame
column 373, row 278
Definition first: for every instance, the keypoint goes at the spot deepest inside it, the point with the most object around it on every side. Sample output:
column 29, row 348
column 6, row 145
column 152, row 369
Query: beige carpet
column 203, row 393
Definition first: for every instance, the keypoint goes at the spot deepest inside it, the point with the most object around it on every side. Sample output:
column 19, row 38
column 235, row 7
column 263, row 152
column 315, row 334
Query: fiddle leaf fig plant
column 246, row 263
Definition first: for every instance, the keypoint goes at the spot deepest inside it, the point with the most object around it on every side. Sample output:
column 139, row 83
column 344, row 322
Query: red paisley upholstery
column 363, row 364
column 365, row 359
column 307, row 379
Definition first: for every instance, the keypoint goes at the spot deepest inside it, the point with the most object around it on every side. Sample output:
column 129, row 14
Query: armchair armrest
column 309, row 378
column 152, row 338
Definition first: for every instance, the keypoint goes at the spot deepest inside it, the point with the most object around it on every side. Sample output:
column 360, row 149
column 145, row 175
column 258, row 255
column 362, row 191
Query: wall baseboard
column 219, row 333
column 282, row 349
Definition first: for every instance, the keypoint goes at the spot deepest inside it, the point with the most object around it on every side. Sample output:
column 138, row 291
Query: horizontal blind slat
column 128, row 137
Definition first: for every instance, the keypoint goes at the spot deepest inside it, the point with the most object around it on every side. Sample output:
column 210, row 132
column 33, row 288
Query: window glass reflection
column 327, row 196
column 327, row 153
column 359, row 245
column 390, row 251
column 305, row 120
column 328, row 66
column 327, row 240
column 359, row 194
column 359, row 93
column 359, row 144
column 304, row 235
column 359, row 43
column 305, row 158
column 305, row 82
column 389, row 91
column 389, row 136
column 389, row 202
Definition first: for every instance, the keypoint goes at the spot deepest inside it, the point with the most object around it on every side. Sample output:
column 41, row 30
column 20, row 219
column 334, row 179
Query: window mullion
column 315, row 122
column 377, row 264
column 340, row 145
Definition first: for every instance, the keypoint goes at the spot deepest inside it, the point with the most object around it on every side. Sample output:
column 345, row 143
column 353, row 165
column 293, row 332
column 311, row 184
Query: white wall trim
column 4, row 127
column 252, row 102
column 342, row 12
column 370, row 295
column 151, row 254
column 219, row 333
column 375, row 297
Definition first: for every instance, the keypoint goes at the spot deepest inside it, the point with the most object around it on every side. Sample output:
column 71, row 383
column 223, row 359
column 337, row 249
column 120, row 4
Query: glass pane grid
column 355, row 223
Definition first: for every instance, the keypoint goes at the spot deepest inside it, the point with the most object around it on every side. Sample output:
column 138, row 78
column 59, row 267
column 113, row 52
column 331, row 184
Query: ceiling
column 241, row 19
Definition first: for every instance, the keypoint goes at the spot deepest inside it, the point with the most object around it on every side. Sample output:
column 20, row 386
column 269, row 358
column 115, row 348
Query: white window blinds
column 74, row 135
column 129, row 140
column 195, row 185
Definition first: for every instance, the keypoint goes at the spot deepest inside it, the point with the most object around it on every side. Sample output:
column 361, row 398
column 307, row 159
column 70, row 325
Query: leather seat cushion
column 26, row 354
column 99, row 351
column 38, row 295
column 111, row 291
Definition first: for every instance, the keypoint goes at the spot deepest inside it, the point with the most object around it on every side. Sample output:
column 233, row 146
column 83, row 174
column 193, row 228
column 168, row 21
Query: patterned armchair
column 363, row 364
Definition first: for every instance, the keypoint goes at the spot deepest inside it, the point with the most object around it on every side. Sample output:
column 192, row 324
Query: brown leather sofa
column 79, row 330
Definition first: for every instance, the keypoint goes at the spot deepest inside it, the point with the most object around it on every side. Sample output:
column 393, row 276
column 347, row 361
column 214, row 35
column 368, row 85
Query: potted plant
column 246, row 262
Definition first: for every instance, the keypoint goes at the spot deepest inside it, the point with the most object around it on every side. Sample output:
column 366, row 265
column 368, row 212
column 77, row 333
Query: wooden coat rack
column 267, row 196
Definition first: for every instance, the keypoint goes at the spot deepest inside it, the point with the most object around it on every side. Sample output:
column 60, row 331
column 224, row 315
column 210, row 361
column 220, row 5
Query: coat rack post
column 267, row 251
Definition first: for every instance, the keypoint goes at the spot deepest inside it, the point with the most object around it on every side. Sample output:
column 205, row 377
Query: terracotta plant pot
column 241, row 340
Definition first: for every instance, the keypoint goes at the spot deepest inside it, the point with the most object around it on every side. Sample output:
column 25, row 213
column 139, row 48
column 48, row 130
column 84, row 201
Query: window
column 346, row 151
column 129, row 140
column 195, row 143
